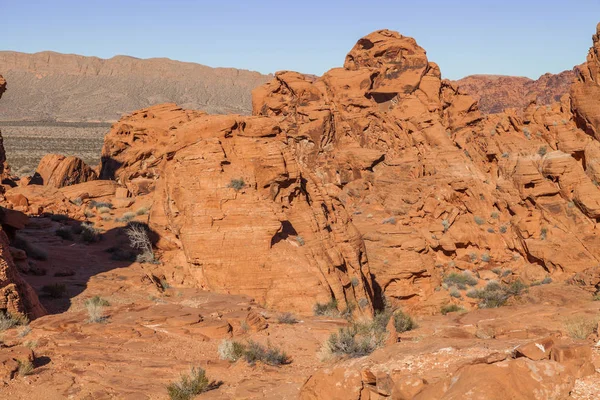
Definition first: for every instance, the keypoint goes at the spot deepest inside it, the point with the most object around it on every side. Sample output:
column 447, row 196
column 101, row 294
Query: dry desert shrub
column 189, row 385
column 138, row 239
column 252, row 352
column 580, row 327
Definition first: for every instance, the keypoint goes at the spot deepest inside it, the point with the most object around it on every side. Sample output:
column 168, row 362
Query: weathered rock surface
column 496, row 93
column 586, row 90
column 58, row 171
column 16, row 295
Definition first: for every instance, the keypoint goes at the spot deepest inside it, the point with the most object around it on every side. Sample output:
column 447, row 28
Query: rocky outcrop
column 16, row 296
column 380, row 161
column 496, row 93
column 585, row 92
column 59, row 171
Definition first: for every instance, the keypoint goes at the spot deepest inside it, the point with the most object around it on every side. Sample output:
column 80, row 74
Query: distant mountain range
column 65, row 87
column 497, row 92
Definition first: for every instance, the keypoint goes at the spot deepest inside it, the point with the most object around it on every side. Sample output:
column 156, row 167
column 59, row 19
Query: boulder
column 59, row 171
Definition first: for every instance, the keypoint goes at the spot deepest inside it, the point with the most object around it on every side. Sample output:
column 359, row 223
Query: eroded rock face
column 249, row 217
column 586, row 91
column 58, row 171
column 378, row 161
column 16, row 296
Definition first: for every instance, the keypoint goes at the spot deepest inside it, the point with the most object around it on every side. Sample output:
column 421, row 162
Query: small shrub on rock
column 139, row 239
column 252, row 352
column 580, row 327
column 64, row 233
column 8, row 321
column 25, row 367
column 189, row 385
column 460, row 280
column 328, row 309
column 89, row 233
column 287, row 318
column 403, row 322
column 237, row 184
column 126, row 217
column 448, row 308
column 95, row 309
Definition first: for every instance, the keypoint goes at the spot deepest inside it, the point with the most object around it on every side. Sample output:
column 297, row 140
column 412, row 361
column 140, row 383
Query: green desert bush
column 460, row 280
column 189, row 385
column 142, row 211
column 403, row 322
column 252, row 352
column 237, row 184
column 580, row 327
column 351, row 342
column 329, row 309
column 89, row 233
column 126, row 217
column 448, row 308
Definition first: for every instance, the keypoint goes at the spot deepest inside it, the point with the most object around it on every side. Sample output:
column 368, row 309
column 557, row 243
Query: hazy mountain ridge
column 67, row 87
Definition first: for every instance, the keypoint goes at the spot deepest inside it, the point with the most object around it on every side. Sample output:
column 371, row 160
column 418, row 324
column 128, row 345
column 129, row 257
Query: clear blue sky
column 464, row 37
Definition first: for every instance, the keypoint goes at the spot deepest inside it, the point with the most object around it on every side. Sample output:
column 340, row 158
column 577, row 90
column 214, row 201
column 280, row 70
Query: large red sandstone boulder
column 59, row 171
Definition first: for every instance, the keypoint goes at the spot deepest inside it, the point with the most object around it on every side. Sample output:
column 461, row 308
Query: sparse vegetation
column 354, row 281
column 580, row 327
column 25, row 367
column 479, row 220
column 460, row 280
column 103, row 210
column 403, row 322
column 503, row 229
column 300, row 240
column 445, row 224
column 542, row 151
column 495, row 215
column 351, row 342
column 237, row 184
column 287, row 318
column 55, row 291
column 485, row 257
column 142, row 211
column 448, row 308
column 252, row 352
column 454, row 292
column 89, row 214
column 8, row 320
column 189, row 385
column 543, row 233
column 100, row 204
column 328, row 309
column 24, row 331
column 505, row 155
column 139, row 239
column 495, row 295
column 89, row 233
column 126, row 217
column 390, row 220
column 76, row 201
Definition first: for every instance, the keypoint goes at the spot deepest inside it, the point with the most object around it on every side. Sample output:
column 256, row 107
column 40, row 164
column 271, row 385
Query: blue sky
column 508, row 37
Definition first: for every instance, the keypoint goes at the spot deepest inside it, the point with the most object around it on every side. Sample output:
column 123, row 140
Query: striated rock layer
column 374, row 181
column 16, row 296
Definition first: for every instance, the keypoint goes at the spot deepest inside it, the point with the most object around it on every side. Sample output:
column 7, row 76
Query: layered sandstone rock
column 58, row 171
column 586, row 90
column 380, row 159
column 16, row 296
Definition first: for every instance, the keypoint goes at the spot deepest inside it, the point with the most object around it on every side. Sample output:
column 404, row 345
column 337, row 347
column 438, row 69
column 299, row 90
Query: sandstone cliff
column 16, row 296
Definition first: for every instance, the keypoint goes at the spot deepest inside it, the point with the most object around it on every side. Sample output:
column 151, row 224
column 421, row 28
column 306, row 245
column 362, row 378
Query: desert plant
column 300, row 240
column 24, row 331
column 142, row 211
column 95, row 309
column 543, row 233
column 287, row 318
column 454, row 292
column 460, row 280
column 25, row 367
column 485, row 257
column 189, row 385
column 403, row 322
column 505, row 155
column 580, row 327
column 8, row 320
column 76, row 201
column 349, row 341
column 55, row 291
column 269, row 355
column 329, row 309
column 446, row 224
column 546, row 280
column 478, row 220
column 89, row 233
column 390, row 220
column 103, row 210
column 100, row 204
column 237, row 184
column 542, row 151
column 503, row 229
column 89, row 214
column 138, row 239
column 448, row 308
column 64, row 233
column 231, row 350
column 126, row 217
column 495, row 215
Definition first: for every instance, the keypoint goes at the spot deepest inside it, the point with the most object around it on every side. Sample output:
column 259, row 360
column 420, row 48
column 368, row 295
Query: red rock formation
column 496, row 93
column 586, row 91
column 58, row 171
column 16, row 296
